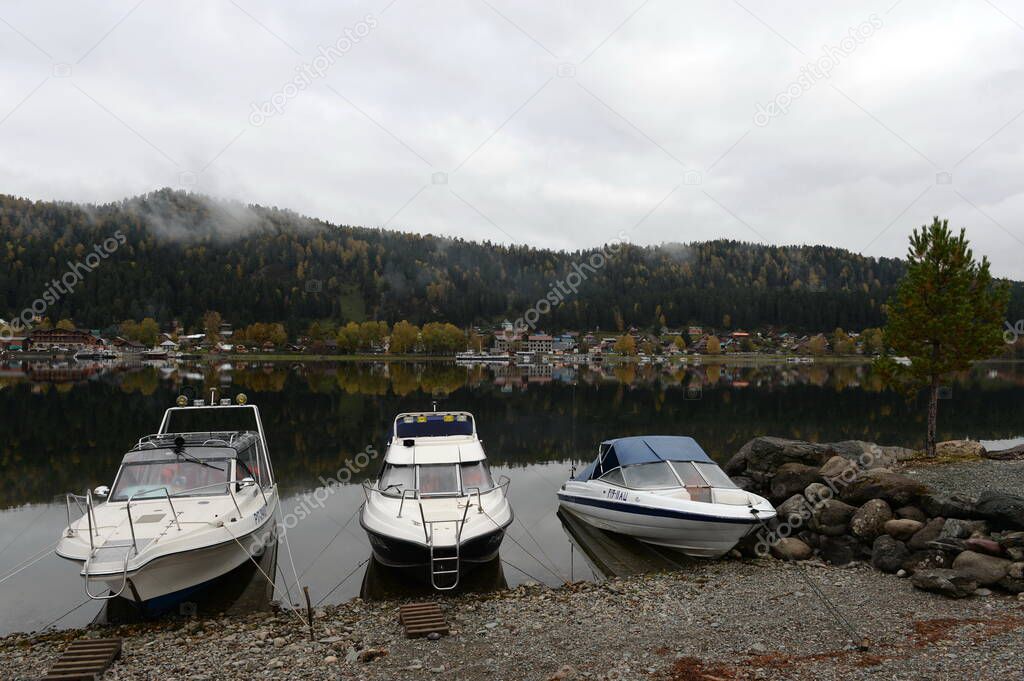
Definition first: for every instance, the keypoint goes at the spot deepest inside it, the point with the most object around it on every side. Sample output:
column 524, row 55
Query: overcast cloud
column 552, row 124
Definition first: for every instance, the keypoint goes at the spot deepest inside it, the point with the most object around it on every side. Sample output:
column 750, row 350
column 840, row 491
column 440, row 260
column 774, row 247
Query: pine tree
column 947, row 313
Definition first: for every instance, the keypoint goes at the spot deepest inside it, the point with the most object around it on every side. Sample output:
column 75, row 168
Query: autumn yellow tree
column 403, row 337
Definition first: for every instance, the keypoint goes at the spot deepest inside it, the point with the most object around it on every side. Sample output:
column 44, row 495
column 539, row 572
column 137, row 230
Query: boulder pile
column 843, row 502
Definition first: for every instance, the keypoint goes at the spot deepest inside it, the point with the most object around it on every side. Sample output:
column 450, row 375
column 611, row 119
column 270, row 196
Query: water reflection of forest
column 59, row 436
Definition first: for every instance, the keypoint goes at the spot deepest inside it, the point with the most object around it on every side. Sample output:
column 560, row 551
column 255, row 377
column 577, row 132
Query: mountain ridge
column 186, row 253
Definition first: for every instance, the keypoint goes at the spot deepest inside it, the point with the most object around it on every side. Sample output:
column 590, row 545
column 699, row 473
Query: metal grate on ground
column 85, row 660
column 422, row 619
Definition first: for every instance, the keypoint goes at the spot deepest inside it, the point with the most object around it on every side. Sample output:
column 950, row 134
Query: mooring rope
column 31, row 560
column 526, row 551
column 291, row 558
column 837, row 615
column 291, row 606
column 333, row 539
column 66, row 614
column 343, row 580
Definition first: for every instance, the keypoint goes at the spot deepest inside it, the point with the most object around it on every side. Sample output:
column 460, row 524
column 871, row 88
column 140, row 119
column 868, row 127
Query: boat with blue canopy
column 664, row 490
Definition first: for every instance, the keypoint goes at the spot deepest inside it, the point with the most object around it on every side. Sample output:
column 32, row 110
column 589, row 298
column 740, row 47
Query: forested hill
column 185, row 254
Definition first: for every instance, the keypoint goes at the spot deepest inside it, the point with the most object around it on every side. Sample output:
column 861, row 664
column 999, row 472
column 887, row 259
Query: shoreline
column 701, row 623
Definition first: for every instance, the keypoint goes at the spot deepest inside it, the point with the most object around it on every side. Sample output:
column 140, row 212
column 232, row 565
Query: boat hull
column 181, row 573
column 694, row 534
column 401, row 553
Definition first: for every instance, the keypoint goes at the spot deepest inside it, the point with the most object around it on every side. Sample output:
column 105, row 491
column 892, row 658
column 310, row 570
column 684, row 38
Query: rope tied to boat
column 291, row 606
column 526, row 551
column 859, row 641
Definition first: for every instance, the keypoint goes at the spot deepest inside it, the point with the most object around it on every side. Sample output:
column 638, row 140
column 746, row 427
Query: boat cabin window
column 614, row 478
column 396, row 479
column 181, row 478
column 649, row 476
column 438, row 479
column 476, row 475
column 693, row 481
column 248, row 465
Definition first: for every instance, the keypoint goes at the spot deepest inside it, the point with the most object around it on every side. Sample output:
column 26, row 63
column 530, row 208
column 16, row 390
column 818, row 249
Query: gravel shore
column 970, row 478
column 719, row 620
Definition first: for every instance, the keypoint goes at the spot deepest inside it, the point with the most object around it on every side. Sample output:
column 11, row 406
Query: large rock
column 1004, row 511
column 870, row 455
column 791, row 548
column 928, row 559
column 816, row 492
column 949, row 506
column 793, row 478
column 927, row 534
column 838, row 468
column 1010, row 540
column 983, row 545
column 840, row 550
column 947, row 582
column 870, row 519
column 767, row 454
column 954, row 528
column 793, row 510
column 980, row 568
column 888, row 555
column 896, row 490
column 1011, row 454
column 911, row 513
column 831, row 518
column 1014, row 579
column 744, row 483
column 902, row 528
column 960, row 449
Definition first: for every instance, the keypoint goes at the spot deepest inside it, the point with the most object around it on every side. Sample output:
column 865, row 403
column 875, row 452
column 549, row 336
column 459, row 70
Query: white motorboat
column 435, row 505
column 664, row 490
column 189, row 504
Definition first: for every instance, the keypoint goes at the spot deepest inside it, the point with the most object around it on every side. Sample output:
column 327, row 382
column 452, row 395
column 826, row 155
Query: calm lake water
column 66, row 430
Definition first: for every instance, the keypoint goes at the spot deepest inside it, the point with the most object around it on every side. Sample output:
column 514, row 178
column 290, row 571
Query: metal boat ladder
column 444, row 565
column 444, row 558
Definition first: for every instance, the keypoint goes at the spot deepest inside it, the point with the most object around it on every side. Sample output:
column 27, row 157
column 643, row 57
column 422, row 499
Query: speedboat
column 434, row 504
column 666, row 491
column 189, row 504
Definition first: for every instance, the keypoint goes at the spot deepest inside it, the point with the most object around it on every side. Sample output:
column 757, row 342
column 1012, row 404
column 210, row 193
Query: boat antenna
column 434, row 402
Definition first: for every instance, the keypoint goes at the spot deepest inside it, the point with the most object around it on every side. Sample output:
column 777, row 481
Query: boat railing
column 89, row 512
column 369, row 487
column 222, row 438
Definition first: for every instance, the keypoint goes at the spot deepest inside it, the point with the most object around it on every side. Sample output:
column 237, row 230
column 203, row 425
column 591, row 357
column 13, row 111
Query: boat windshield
column 655, row 475
column 182, row 478
column 435, row 479
column 715, row 476
column 396, row 479
column 440, row 478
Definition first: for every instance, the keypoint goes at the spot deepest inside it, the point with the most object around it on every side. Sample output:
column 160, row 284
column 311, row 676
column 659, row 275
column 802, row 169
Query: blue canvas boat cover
column 626, row 451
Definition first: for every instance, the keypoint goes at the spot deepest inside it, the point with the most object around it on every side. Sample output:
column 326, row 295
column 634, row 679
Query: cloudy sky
column 554, row 124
